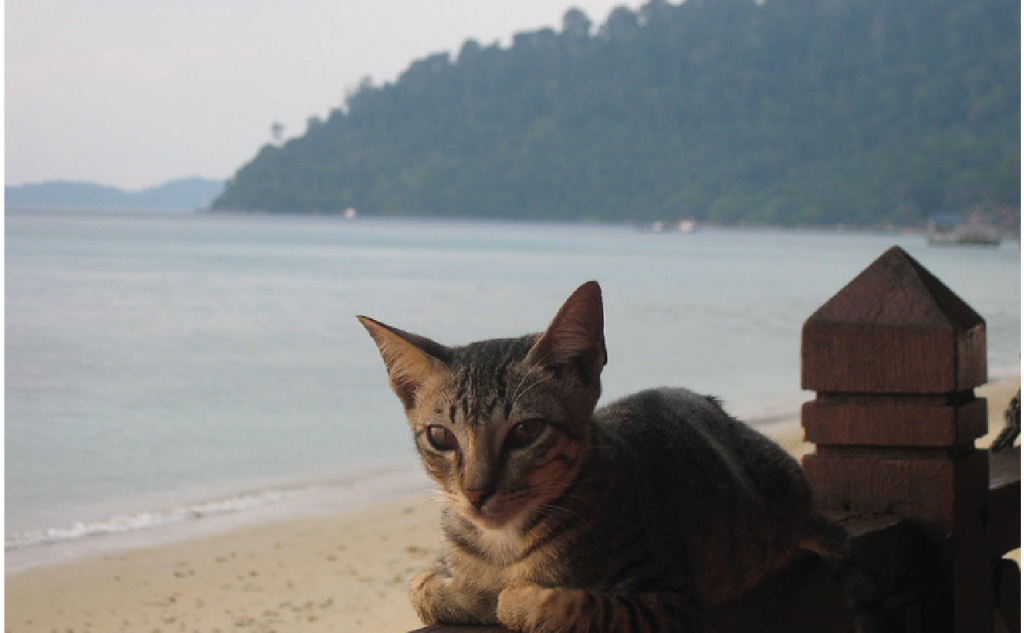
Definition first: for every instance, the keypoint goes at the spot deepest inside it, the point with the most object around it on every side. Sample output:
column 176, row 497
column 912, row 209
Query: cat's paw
column 438, row 598
column 530, row 608
column 428, row 592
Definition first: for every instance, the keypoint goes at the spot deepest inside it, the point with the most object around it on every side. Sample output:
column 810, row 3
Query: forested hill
column 782, row 112
column 183, row 194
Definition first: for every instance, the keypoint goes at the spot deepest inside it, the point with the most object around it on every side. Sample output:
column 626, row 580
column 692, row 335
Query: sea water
column 163, row 368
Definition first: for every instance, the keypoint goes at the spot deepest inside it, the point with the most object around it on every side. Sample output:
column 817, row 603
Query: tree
column 277, row 131
column 576, row 24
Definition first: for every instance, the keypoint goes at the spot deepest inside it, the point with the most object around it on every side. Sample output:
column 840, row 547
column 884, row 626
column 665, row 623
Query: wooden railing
column 894, row 358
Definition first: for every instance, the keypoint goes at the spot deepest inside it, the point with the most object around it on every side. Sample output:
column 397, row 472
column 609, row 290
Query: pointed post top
column 894, row 329
column 897, row 290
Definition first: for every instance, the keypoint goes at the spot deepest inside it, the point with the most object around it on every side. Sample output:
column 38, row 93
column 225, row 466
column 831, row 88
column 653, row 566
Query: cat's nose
column 479, row 496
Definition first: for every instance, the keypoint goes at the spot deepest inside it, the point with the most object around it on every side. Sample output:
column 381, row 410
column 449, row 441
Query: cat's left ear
column 575, row 338
column 410, row 359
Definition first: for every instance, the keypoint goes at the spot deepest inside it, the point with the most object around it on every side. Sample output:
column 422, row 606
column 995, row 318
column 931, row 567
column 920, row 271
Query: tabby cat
column 638, row 516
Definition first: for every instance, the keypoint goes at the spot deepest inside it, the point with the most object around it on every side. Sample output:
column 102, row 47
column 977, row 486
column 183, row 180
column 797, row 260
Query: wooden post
column 894, row 358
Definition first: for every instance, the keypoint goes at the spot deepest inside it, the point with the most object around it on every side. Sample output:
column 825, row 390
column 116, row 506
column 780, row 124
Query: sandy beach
column 344, row 570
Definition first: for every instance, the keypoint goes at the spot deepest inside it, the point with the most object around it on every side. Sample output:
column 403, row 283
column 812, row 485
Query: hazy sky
column 133, row 93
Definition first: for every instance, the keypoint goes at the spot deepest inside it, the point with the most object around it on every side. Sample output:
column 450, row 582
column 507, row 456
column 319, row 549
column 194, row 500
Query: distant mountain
column 781, row 112
column 185, row 194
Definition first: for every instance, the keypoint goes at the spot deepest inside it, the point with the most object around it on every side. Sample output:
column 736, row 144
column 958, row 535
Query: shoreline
column 153, row 528
column 158, row 524
column 316, row 573
column 298, row 497
column 319, row 563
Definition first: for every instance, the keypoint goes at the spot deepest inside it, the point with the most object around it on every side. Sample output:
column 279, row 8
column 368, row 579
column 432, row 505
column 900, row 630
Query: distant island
column 781, row 112
column 185, row 194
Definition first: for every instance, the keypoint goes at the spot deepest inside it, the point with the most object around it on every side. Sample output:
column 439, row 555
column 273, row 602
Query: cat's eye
column 441, row 438
column 525, row 433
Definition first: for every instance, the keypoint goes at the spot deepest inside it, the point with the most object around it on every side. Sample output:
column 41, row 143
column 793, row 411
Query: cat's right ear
column 410, row 359
column 575, row 338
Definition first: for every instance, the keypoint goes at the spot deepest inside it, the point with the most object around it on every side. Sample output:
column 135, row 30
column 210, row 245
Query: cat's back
column 678, row 423
column 721, row 495
column 674, row 435
column 665, row 409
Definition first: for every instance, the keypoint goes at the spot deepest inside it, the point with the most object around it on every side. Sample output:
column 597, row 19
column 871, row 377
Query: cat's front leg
column 440, row 598
column 536, row 609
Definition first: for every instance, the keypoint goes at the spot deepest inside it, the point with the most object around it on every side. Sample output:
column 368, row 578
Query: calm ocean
column 165, row 367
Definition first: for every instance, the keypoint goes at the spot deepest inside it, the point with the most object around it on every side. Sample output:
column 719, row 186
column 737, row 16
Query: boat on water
column 946, row 230
column 682, row 226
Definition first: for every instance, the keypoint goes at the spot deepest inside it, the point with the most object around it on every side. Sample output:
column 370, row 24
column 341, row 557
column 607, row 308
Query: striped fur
column 632, row 518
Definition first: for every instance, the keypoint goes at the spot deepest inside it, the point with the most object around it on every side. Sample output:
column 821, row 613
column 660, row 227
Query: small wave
column 158, row 518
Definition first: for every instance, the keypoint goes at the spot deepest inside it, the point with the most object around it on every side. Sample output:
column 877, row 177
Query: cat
column 636, row 517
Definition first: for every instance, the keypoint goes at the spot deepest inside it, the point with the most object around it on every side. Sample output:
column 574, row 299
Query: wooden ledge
column 805, row 595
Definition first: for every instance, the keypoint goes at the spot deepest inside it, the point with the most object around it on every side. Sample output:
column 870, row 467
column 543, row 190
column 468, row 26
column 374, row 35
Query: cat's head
column 502, row 426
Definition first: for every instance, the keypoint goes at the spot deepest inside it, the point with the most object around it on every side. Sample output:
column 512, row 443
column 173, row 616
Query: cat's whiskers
column 520, row 391
column 523, row 379
column 559, row 511
column 434, row 495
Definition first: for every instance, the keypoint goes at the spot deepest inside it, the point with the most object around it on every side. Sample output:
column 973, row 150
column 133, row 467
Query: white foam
column 149, row 519
column 146, row 528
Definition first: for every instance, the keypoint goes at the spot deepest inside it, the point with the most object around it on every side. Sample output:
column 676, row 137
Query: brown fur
column 635, row 517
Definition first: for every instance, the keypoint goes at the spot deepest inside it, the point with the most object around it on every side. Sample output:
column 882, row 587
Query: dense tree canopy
column 782, row 112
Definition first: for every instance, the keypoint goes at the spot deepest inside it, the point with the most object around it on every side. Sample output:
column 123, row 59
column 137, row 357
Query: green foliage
column 784, row 112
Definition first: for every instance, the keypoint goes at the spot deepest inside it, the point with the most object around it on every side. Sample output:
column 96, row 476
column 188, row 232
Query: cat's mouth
column 493, row 517
column 504, row 508
column 498, row 512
